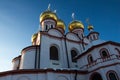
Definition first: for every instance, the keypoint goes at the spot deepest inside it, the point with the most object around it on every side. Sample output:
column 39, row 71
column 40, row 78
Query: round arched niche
column 23, row 78
column 61, row 78
column 96, row 76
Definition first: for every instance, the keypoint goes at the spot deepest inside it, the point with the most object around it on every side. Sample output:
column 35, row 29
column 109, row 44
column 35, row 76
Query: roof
column 96, row 44
column 36, row 71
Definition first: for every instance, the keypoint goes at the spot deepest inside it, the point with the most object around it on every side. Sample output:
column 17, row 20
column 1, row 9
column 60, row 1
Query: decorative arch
column 72, row 36
column 23, row 78
column 104, row 53
column 55, row 32
column 96, row 76
column 74, row 53
column 112, row 75
column 61, row 77
column 90, row 59
column 54, row 52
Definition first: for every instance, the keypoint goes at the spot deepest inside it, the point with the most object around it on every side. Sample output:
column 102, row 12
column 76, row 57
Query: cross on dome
column 90, row 27
column 73, row 16
column 48, row 7
column 55, row 11
column 88, row 21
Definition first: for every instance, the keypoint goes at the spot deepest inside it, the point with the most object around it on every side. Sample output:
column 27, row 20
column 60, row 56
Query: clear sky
column 19, row 19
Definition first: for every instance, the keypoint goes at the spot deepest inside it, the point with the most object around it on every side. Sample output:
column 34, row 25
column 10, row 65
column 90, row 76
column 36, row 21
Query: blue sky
column 19, row 19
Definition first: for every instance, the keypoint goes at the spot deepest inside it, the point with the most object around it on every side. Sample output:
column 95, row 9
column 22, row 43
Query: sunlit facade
column 56, row 55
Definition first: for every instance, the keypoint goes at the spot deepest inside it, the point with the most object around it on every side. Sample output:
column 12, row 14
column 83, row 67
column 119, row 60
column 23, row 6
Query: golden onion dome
column 90, row 27
column 60, row 24
column 48, row 14
column 34, row 36
column 75, row 24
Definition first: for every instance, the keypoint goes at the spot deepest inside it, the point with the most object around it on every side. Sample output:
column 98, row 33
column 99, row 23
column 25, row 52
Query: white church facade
column 56, row 55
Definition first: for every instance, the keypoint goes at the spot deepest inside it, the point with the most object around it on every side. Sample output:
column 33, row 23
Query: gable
column 55, row 32
column 72, row 36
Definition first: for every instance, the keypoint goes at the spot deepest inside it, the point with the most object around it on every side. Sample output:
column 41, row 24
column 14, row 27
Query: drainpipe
column 35, row 57
column 75, row 78
column 67, row 52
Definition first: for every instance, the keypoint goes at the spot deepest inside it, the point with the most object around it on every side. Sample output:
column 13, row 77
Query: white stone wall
column 84, row 59
column 72, row 46
column 16, row 64
column 82, row 77
column 28, row 59
column 103, row 71
column 46, row 43
column 96, row 56
column 44, row 76
column 8, row 77
column 48, row 22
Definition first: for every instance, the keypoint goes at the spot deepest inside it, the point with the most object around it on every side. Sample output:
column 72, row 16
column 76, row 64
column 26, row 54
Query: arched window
column 96, row 76
column 73, row 54
column 104, row 53
column 51, row 26
column 117, row 50
column 90, row 38
column 90, row 59
column 46, row 27
column 54, row 53
column 112, row 75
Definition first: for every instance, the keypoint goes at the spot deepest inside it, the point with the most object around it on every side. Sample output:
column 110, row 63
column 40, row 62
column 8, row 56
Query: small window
column 51, row 26
column 90, row 59
column 94, row 36
column 112, row 75
column 82, row 35
column 73, row 54
column 46, row 27
column 54, row 53
column 90, row 38
column 104, row 53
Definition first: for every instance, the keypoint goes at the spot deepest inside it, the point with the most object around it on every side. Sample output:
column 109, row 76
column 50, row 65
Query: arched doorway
column 96, row 76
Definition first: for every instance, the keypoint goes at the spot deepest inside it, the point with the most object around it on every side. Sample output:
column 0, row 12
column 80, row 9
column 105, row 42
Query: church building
column 56, row 55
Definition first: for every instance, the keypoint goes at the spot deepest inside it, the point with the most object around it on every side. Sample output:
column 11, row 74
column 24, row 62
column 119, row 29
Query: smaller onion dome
column 75, row 25
column 90, row 27
column 34, row 36
column 60, row 24
column 48, row 14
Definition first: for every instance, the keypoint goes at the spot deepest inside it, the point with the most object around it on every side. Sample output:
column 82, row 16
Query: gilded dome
column 34, row 36
column 90, row 27
column 48, row 14
column 60, row 24
column 75, row 24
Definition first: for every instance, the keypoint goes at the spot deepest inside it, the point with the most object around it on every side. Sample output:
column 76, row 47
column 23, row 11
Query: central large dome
column 48, row 14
